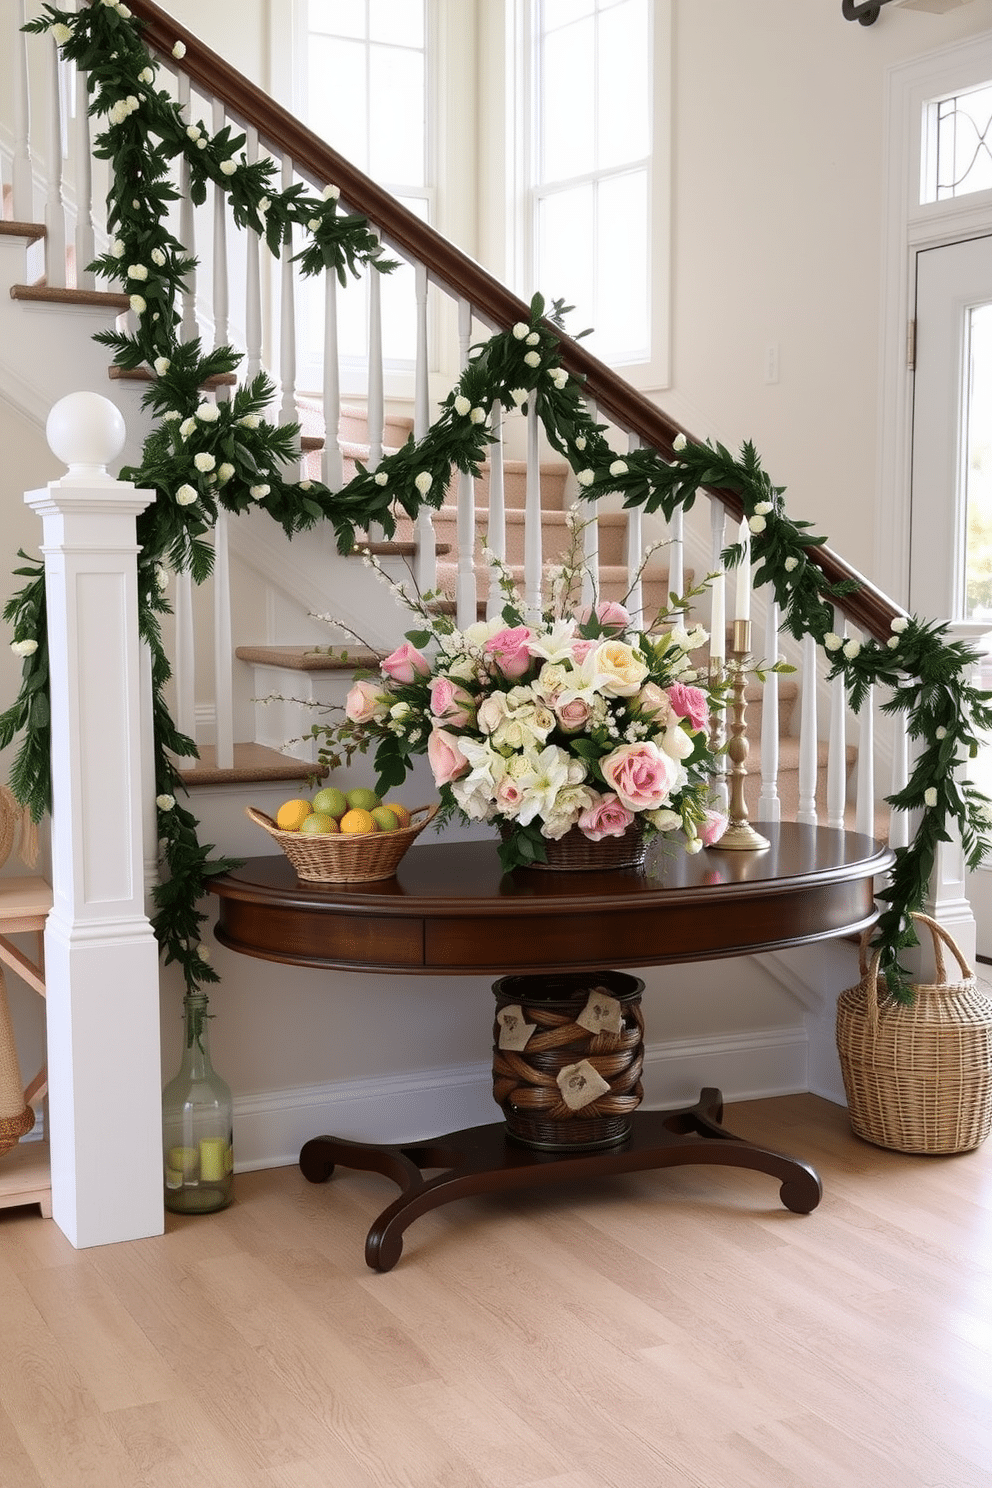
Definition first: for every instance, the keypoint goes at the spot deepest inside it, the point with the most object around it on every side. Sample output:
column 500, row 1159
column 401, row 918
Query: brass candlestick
column 740, row 835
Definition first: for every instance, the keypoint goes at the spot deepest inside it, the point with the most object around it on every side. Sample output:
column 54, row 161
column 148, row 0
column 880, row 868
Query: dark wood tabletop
column 449, row 908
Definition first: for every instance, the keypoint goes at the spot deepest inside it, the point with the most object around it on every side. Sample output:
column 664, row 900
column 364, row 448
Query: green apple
column 317, row 824
column 384, row 819
column 363, row 799
column 331, row 801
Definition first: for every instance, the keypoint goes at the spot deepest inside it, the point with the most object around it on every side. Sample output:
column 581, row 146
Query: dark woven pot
column 525, row 1080
column 574, row 853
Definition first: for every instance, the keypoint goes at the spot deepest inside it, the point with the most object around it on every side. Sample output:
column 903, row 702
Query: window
column 591, row 189
column 957, row 145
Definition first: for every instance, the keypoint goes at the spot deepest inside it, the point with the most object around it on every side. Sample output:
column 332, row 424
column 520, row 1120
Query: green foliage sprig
column 204, row 455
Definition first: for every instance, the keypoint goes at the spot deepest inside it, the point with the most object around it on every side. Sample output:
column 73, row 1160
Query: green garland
column 203, row 455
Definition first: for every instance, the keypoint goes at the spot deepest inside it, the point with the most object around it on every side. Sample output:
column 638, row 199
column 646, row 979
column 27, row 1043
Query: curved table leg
column 484, row 1159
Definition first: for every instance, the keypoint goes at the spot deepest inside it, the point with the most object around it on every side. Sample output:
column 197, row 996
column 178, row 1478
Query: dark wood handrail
column 867, row 607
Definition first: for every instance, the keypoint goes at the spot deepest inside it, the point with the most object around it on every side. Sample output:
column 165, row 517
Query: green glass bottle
column 197, row 1124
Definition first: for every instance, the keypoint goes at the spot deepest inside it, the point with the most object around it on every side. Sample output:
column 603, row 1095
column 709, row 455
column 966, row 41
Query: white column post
column 100, row 952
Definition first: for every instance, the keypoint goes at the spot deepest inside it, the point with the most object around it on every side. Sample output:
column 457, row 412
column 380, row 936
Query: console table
column 449, row 910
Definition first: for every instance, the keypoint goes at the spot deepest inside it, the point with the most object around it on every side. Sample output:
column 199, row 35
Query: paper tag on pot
column 601, row 1014
column 580, row 1084
column 514, row 1030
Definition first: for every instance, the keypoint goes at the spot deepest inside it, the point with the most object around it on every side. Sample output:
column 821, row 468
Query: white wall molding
column 271, row 1126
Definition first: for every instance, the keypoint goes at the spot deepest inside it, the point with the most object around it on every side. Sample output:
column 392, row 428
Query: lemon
column 331, row 800
column 363, row 798
column 357, row 820
column 384, row 819
column 400, row 812
column 318, row 823
column 292, row 814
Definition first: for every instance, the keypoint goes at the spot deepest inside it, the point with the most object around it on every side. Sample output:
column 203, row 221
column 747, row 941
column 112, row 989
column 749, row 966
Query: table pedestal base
column 484, row 1159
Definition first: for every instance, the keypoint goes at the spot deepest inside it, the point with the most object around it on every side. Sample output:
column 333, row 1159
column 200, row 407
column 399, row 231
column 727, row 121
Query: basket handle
column 260, row 819
column 869, row 970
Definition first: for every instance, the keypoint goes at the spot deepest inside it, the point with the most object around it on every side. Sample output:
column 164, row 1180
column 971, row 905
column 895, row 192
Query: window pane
column 623, row 63
column 340, row 17
column 958, row 153
column 337, row 96
column 568, row 77
column 398, row 21
column 622, row 331
column 565, row 249
column 978, row 468
column 396, row 146
column 555, row 13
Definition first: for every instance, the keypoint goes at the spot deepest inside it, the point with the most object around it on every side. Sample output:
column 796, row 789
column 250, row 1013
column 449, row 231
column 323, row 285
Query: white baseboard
column 271, row 1126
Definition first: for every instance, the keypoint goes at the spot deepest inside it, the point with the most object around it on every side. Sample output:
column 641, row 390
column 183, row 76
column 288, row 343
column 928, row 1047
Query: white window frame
column 654, row 374
column 912, row 225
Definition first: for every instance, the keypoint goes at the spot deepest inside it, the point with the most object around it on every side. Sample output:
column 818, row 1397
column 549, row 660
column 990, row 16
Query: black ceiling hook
column 865, row 13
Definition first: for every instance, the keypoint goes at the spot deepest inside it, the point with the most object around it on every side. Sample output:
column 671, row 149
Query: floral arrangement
column 571, row 721
column 203, row 455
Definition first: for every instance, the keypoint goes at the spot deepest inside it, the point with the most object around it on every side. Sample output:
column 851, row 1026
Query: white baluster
column 253, row 282
column 331, row 465
column 865, row 810
column 769, row 804
column 287, row 318
column 900, row 822
column 533, row 549
column 425, row 559
column 376, row 405
column 22, row 175
column 222, row 333
column 85, row 239
column 466, row 590
column 187, row 229
column 185, row 663
column 55, row 245
column 837, row 752
column 635, row 555
column 496, row 528
column 676, row 555
column 223, row 650
column 589, row 590
column 808, row 745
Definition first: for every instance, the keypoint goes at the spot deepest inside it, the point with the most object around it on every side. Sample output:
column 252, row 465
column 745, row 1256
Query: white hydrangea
column 193, row 132
column 586, row 477
column 832, row 641
column 852, row 649
column 118, row 248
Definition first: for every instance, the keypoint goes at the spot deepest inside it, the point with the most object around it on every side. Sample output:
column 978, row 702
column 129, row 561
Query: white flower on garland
column 619, row 467
column 899, row 624
column 423, row 482
column 249, row 421
column 477, row 416
column 158, row 258
column 762, row 508
column 260, row 492
column 521, row 330
column 228, row 167
column 519, row 395
column 559, row 377
column 462, row 406
column 224, row 472
column 930, row 796
column 137, row 271
column 791, row 563
column 185, row 496
column 586, row 477
column 533, row 359
column 186, row 428
column 61, row 33
column 24, row 648
column 146, row 75
column 852, row 649
column 330, row 193
column 118, row 248
column 179, row 50
column 138, row 304
column 161, row 577
column 204, row 461
column 165, row 802
column 162, row 365
column 193, row 132
column 832, row 641
column 208, row 413
column 679, row 443
column 757, row 524
column 381, row 477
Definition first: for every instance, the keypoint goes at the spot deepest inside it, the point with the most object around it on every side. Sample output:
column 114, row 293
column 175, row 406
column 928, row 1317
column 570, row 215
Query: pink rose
column 364, row 700
column 641, row 774
column 404, row 664
column 572, row 715
column 445, row 758
column 606, row 817
column 712, row 828
column 689, row 702
column 654, row 701
column 510, row 650
column 509, row 796
column 610, row 614
column 451, row 702
column 581, row 647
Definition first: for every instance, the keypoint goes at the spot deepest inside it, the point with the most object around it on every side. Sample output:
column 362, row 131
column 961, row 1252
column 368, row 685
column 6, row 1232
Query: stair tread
column 51, row 295
column 307, row 658
column 30, row 230
column 252, row 762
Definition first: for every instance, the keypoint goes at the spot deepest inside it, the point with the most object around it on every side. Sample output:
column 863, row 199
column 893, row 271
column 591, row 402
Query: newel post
column 100, row 951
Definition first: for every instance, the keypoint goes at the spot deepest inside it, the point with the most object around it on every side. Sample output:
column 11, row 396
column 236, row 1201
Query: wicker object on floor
column 918, row 1076
column 337, row 857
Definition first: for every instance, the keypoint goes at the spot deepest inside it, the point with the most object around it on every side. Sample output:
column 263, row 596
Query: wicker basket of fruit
column 343, row 837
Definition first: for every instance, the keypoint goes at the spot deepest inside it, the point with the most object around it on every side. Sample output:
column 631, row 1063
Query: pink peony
column 641, row 774
column 609, row 612
column 510, row 650
column 689, row 702
column 404, row 664
column 451, row 702
column 364, row 701
column 606, row 817
column 712, row 828
column 446, row 760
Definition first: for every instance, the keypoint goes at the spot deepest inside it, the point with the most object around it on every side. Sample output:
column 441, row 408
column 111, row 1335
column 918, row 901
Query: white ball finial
column 86, row 431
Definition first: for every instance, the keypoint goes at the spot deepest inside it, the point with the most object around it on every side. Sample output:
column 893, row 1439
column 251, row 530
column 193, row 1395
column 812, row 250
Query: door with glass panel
column 951, row 544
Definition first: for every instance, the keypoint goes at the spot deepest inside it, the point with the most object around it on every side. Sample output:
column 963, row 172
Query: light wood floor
column 666, row 1329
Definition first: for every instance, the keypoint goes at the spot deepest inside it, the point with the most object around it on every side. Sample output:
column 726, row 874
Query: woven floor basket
column 16, row 1118
column 345, row 857
column 574, row 853
column 525, row 1081
column 918, row 1076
